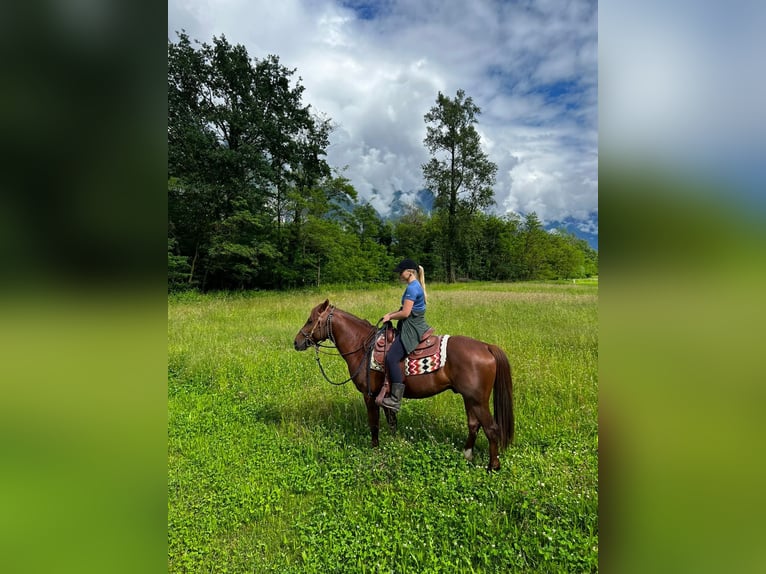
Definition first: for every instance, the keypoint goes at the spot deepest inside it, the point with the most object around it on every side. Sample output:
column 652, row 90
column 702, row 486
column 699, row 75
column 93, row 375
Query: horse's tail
column 503, row 396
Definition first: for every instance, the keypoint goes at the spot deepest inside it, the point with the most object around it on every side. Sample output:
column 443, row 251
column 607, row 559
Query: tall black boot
column 394, row 400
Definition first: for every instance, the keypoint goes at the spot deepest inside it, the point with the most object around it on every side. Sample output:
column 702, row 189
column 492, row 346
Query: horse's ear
column 325, row 304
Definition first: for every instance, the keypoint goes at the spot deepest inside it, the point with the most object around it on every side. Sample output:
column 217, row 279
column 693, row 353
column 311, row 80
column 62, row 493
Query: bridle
column 318, row 346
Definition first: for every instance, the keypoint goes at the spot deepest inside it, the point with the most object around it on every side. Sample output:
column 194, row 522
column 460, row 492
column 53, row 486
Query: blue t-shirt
column 414, row 292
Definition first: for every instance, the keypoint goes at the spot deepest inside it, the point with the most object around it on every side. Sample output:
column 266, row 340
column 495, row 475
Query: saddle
column 382, row 343
column 430, row 355
column 430, row 344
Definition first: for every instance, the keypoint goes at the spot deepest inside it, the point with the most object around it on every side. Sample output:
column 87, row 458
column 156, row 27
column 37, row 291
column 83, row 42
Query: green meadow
column 270, row 467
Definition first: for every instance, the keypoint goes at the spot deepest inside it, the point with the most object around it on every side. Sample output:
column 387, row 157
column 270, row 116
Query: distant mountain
column 584, row 229
column 400, row 201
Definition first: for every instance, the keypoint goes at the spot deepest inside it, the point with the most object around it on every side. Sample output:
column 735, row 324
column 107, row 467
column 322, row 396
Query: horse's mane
column 365, row 322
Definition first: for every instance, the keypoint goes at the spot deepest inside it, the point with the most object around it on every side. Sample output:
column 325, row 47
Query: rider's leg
column 394, row 357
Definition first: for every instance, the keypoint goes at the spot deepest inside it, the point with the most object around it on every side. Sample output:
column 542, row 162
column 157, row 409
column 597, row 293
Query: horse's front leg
column 391, row 418
column 373, row 418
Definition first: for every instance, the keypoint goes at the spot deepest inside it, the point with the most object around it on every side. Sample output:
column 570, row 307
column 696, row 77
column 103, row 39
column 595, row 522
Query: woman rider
column 410, row 329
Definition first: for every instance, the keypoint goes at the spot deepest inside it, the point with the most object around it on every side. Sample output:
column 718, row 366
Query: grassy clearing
column 270, row 469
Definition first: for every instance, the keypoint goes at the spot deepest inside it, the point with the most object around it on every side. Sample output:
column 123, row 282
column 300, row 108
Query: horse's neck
column 349, row 332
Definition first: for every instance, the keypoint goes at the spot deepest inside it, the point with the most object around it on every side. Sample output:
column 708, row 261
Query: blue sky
column 375, row 68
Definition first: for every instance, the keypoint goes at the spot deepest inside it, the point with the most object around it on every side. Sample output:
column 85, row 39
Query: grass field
column 270, row 468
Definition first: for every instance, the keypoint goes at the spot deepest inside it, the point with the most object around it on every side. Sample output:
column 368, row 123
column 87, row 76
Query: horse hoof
column 468, row 454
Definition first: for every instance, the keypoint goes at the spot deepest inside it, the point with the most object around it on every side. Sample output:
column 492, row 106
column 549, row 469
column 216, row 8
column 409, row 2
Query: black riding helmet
column 405, row 264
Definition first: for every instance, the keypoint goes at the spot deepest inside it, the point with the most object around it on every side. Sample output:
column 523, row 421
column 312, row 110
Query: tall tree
column 459, row 173
column 241, row 145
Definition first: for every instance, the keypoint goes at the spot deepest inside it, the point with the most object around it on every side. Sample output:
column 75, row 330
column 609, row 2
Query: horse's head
column 316, row 328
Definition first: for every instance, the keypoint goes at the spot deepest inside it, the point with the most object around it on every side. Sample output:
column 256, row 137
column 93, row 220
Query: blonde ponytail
column 422, row 279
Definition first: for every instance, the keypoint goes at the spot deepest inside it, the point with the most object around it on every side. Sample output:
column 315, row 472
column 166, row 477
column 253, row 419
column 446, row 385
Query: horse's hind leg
column 473, row 430
column 491, row 430
column 479, row 415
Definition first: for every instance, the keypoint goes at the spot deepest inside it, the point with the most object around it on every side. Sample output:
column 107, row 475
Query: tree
column 535, row 246
column 459, row 173
column 242, row 150
column 491, row 257
column 415, row 236
column 588, row 257
column 178, row 268
column 566, row 261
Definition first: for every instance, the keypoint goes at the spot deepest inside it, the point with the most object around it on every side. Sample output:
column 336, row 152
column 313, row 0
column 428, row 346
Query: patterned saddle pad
column 430, row 355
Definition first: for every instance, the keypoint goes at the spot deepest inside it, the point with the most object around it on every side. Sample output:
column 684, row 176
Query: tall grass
column 270, row 468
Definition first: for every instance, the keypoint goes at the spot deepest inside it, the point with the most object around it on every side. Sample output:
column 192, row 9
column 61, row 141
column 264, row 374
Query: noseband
column 328, row 325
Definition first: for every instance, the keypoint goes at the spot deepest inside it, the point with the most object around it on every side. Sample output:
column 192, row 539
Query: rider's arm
column 402, row 313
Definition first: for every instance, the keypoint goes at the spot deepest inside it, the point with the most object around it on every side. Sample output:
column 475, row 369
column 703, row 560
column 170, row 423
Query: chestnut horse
column 473, row 369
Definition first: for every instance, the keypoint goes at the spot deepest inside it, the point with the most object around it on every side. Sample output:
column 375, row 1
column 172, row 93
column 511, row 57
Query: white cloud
column 376, row 78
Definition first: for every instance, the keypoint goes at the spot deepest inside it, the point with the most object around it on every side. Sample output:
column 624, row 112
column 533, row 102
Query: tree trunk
column 194, row 262
column 451, row 221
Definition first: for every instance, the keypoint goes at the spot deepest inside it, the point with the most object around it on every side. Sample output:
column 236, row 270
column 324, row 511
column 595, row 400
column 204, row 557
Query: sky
column 376, row 67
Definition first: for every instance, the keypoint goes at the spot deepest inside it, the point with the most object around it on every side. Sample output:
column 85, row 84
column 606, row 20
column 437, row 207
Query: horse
column 474, row 370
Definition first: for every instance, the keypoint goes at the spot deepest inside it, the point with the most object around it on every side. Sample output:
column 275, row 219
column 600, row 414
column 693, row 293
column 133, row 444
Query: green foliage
column 253, row 204
column 179, row 270
column 270, row 468
column 494, row 248
column 242, row 153
column 417, row 236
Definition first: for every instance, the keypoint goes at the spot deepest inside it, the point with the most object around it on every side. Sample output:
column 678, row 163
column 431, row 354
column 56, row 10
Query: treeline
column 252, row 202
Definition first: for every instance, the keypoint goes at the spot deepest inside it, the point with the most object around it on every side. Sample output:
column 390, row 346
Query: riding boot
column 394, row 400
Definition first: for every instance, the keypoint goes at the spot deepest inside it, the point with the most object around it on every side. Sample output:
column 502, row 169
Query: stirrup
column 382, row 393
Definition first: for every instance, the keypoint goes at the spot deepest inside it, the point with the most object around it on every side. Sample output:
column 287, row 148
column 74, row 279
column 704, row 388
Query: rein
column 318, row 344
